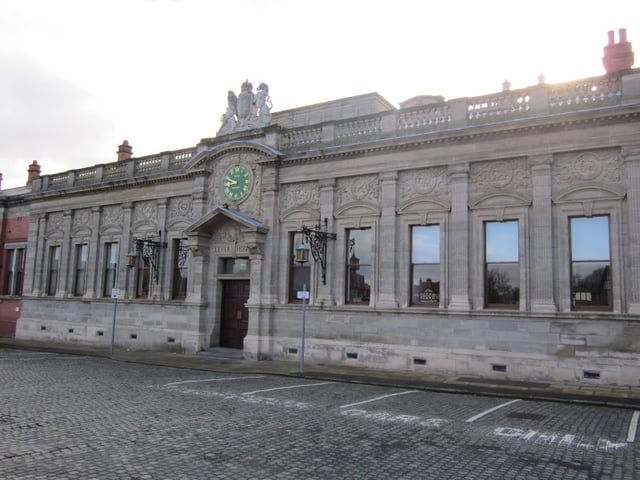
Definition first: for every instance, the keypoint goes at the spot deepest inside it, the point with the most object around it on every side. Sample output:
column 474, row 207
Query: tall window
column 299, row 275
column 15, row 271
column 54, row 270
column 502, row 266
column 425, row 266
column 110, row 267
column 180, row 269
column 359, row 266
column 80, row 274
column 143, row 275
column 590, row 263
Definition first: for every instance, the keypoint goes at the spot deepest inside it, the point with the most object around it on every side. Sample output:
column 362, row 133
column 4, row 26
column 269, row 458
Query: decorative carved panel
column 112, row 215
column 503, row 175
column 300, row 195
column 55, row 221
column 180, row 207
column 586, row 167
column 145, row 211
column 428, row 181
column 81, row 218
column 358, row 189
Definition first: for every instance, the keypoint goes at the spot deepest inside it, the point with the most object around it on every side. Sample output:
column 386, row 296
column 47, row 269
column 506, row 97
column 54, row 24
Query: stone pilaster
column 270, row 207
column 325, row 294
column 198, row 267
column 541, row 236
column 123, row 248
column 66, row 264
column 459, row 238
column 631, row 257
column 162, row 289
column 387, row 239
column 93, row 268
column 32, row 284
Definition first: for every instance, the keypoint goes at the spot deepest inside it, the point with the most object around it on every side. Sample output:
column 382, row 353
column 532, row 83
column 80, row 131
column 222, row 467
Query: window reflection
column 425, row 265
column 502, row 267
column 359, row 266
column 590, row 263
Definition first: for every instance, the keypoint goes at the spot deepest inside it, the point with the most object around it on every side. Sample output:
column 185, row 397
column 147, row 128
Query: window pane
column 359, row 284
column 360, row 247
column 425, row 244
column 503, row 283
column 591, row 284
column 501, row 241
column 81, row 265
column 426, row 284
column 590, row 238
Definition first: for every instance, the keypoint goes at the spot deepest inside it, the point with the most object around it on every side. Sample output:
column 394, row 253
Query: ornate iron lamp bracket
column 149, row 250
column 317, row 238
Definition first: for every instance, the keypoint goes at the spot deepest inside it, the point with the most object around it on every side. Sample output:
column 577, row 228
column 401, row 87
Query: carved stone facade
column 451, row 245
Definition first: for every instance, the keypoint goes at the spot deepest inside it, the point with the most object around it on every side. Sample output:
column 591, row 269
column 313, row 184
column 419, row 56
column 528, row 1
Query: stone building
column 495, row 236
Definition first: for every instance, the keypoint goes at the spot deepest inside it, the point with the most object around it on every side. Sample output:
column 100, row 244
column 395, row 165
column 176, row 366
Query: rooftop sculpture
column 247, row 110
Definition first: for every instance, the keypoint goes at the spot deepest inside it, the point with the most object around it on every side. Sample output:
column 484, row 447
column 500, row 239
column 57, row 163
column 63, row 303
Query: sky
column 77, row 77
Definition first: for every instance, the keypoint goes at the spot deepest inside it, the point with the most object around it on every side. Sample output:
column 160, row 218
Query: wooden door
column 235, row 316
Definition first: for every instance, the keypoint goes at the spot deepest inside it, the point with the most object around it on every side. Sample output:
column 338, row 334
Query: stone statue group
column 247, row 110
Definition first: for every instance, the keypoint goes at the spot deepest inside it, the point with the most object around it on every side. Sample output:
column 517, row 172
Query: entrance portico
column 227, row 249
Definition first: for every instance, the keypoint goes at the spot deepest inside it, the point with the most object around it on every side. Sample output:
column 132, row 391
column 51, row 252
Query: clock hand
column 230, row 182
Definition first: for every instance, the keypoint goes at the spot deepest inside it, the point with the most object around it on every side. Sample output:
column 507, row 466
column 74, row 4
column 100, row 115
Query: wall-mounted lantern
column 317, row 238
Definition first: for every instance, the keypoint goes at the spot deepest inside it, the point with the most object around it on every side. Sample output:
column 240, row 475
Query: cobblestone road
column 74, row 417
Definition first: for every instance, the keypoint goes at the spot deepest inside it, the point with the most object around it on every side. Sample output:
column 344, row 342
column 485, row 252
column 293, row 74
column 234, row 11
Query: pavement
column 231, row 361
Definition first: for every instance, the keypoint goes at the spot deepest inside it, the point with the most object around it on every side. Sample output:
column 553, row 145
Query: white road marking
column 491, row 410
column 555, row 438
column 222, row 379
column 286, row 388
column 49, row 357
column 633, row 426
column 377, row 398
column 393, row 418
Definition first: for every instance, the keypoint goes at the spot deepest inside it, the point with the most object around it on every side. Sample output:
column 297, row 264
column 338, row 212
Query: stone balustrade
column 510, row 105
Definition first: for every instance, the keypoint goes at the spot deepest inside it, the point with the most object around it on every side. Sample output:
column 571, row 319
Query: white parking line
column 222, row 379
column 633, row 426
column 377, row 398
column 491, row 410
column 286, row 388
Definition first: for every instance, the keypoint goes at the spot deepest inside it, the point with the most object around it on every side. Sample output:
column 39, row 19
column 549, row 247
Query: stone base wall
column 145, row 326
column 518, row 347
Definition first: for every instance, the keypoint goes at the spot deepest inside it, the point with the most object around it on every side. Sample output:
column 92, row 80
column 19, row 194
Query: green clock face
column 236, row 182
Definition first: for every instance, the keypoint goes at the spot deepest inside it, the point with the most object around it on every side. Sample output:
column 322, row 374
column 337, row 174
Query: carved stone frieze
column 586, row 167
column 505, row 175
column 300, row 194
column 429, row 181
column 365, row 188
column 55, row 221
column 180, row 207
column 81, row 218
column 145, row 211
column 112, row 215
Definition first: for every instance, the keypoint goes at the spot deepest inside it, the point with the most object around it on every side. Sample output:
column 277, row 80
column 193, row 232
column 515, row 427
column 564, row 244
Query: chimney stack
column 617, row 56
column 33, row 172
column 125, row 151
column 0, row 181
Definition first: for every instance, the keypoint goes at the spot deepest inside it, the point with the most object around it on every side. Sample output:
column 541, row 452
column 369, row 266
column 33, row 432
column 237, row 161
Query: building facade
column 494, row 236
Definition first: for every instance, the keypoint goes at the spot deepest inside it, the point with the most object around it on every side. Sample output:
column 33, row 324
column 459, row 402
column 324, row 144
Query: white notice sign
column 115, row 293
column 303, row 295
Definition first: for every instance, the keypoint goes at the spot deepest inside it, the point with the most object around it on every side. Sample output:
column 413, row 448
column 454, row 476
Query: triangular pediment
column 220, row 215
